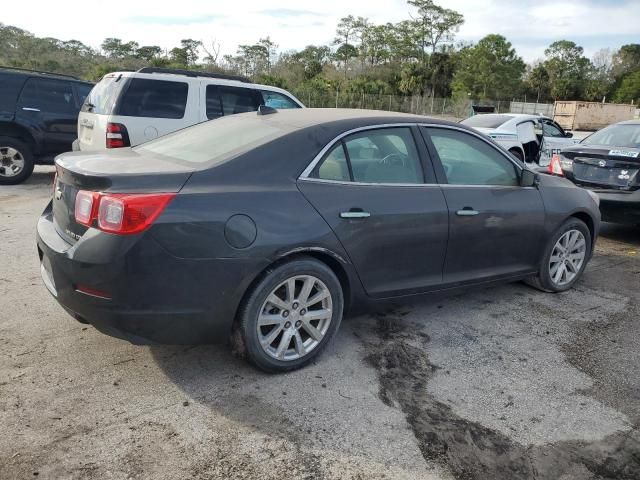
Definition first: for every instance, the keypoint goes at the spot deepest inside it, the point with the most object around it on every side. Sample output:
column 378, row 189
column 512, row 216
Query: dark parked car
column 38, row 119
column 608, row 163
column 273, row 224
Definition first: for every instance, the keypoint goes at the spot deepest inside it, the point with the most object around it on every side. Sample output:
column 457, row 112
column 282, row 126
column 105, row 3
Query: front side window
column 551, row 130
column 468, row 160
column 386, row 155
column 154, row 98
column 52, row 96
column 277, row 100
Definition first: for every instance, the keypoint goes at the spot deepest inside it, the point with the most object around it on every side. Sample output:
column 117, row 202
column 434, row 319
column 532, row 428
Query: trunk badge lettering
column 624, row 175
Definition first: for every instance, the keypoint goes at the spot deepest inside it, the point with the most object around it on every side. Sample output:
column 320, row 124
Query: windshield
column 215, row 141
column 103, row 96
column 621, row 135
column 486, row 121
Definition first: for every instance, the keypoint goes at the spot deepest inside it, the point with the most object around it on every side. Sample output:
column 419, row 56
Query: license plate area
column 618, row 177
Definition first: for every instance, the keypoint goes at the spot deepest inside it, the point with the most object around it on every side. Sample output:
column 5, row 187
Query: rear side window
column 11, row 85
column 83, row 91
column 277, row 100
column 230, row 100
column 154, row 98
column 102, row 97
column 385, row 155
column 53, row 96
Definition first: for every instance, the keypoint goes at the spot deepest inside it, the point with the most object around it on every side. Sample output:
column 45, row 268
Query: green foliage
column 489, row 69
column 629, row 89
column 568, row 70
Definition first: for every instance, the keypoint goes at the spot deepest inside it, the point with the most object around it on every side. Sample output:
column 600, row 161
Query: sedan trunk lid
column 116, row 171
column 604, row 166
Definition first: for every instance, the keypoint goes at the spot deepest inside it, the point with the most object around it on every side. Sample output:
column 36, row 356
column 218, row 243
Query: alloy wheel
column 11, row 161
column 295, row 317
column 567, row 257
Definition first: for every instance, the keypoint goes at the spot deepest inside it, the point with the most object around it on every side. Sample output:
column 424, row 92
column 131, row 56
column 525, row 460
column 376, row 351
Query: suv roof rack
column 193, row 73
column 38, row 71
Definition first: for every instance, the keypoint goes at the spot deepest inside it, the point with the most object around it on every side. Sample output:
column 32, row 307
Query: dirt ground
column 500, row 383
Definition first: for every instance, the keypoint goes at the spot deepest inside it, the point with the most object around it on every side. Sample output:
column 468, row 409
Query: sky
column 530, row 25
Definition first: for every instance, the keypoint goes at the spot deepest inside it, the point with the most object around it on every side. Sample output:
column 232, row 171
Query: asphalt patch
column 470, row 450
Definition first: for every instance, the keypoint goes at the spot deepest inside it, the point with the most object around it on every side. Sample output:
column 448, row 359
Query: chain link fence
column 453, row 109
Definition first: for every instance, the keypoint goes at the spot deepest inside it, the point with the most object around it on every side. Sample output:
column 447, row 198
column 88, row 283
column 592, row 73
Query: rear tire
column 565, row 257
column 16, row 161
column 291, row 315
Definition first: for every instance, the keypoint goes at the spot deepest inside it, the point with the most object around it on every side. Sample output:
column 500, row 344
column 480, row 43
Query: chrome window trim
column 307, row 171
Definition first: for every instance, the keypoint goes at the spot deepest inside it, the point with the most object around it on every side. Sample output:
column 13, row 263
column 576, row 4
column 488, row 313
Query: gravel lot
column 501, row 383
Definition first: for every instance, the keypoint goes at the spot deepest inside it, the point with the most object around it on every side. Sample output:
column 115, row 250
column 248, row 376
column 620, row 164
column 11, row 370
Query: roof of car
column 629, row 122
column 309, row 117
column 42, row 74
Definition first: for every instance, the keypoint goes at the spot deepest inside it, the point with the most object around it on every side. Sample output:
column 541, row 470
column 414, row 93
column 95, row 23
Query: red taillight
column 554, row 166
column 120, row 213
column 117, row 136
column 86, row 207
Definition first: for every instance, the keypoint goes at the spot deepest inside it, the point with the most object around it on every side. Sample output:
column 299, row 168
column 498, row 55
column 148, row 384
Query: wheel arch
column 589, row 221
column 11, row 129
column 331, row 259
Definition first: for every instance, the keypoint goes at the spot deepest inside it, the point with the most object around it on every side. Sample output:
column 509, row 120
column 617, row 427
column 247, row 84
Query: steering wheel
column 394, row 159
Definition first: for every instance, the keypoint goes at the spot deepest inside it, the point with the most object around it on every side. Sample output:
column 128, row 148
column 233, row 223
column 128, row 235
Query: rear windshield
column 214, row 142
column 616, row 136
column 102, row 97
column 154, row 98
column 486, row 121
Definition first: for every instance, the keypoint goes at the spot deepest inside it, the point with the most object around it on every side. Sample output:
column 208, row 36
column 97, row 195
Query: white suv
column 128, row 108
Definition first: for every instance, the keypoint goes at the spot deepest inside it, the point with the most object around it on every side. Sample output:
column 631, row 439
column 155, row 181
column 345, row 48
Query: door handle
column 467, row 212
column 353, row 213
column 30, row 109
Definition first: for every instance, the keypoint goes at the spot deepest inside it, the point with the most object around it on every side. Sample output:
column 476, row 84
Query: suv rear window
column 102, row 97
column 153, row 98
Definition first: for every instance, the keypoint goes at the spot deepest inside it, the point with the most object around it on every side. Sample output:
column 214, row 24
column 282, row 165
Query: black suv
column 38, row 119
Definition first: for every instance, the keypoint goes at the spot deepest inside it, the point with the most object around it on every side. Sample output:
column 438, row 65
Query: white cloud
column 530, row 24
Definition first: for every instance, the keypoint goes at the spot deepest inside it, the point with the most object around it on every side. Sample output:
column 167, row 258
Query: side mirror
column 528, row 178
column 568, row 135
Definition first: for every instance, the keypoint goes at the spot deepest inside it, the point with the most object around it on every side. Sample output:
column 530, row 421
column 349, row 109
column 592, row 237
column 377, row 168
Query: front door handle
column 467, row 212
column 30, row 109
column 355, row 213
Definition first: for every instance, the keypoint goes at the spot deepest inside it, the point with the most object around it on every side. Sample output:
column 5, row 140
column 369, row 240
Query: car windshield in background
column 212, row 142
column 486, row 121
column 621, row 135
column 103, row 96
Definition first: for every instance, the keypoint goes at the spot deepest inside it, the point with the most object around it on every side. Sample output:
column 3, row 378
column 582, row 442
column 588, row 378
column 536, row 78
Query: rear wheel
column 291, row 315
column 565, row 257
column 16, row 161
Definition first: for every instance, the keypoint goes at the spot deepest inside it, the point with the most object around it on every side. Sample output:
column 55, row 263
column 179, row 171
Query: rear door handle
column 467, row 212
column 30, row 109
column 353, row 213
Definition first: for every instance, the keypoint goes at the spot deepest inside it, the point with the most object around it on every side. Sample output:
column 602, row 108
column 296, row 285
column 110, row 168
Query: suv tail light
column 554, row 166
column 120, row 213
column 117, row 136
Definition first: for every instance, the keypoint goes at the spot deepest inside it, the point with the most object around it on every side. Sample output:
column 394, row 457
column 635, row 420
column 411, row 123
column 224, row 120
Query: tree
column 148, row 52
column 313, row 59
column 629, row 89
column 489, row 69
column 537, row 82
column 115, row 48
column 436, row 24
column 568, row 70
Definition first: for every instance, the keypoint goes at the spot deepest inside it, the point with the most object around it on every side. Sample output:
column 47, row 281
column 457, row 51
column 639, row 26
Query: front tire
column 16, row 161
column 565, row 257
column 291, row 315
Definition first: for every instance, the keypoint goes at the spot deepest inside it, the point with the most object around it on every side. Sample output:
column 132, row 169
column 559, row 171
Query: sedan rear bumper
column 132, row 288
column 619, row 206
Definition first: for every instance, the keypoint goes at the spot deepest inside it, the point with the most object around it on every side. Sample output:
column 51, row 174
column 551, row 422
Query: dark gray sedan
column 272, row 225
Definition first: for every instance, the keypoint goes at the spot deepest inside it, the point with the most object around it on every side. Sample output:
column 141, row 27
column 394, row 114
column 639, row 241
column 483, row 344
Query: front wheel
column 565, row 257
column 291, row 315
